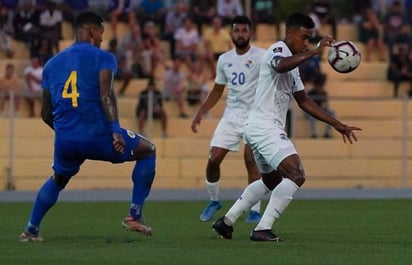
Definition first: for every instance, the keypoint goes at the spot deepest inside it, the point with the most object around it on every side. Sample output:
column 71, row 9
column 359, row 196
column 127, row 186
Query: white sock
column 280, row 198
column 253, row 193
column 256, row 207
column 213, row 190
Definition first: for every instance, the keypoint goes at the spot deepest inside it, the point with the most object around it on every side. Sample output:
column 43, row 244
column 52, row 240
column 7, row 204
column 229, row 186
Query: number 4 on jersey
column 70, row 89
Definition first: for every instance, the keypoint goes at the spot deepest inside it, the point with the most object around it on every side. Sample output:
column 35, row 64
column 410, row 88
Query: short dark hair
column 241, row 20
column 87, row 18
column 299, row 19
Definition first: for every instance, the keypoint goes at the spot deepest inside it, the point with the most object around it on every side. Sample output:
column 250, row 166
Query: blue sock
column 142, row 176
column 46, row 198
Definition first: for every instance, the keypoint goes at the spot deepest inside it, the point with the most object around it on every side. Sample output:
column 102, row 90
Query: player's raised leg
column 142, row 177
column 253, row 193
column 294, row 177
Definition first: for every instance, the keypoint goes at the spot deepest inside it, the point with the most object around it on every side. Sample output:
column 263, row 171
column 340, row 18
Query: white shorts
column 270, row 146
column 229, row 133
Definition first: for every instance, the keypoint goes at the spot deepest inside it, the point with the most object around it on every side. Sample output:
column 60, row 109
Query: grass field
column 316, row 232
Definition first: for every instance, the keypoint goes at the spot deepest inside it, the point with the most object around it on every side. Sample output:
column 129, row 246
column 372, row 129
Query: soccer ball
column 344, row 56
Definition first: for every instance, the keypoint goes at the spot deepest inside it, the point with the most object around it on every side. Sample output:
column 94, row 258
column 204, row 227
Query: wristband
column 115, row 126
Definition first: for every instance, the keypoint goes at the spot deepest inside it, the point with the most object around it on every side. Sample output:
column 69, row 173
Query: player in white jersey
column 238, row 69
column 276, row 157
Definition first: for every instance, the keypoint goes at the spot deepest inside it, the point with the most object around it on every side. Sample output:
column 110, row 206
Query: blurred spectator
column 408, row 8
column 142, row 111
column 369, row 34
column 11, row 5
column 6, row 31
column 400, row 68
column 267, row 12
column 50, row 21
column 197, row 84
column 323, row 11
column 124, row 71
column 152, row 10
column 216, row 41
column 152, row 53
column 203, row 12
column 44, row 52
column 316, row 32
column 33, row 76
column 187, row 41
column 310, row 69
column 170, row 4
column 319, row 95
column 71, row 8
column 174, row 20
column 359, row 7
column 9, row 83
column 121, row 10
column 26, row 23
column 131, row 48
column 228, row 9
column 396, row 27
column 174, row 86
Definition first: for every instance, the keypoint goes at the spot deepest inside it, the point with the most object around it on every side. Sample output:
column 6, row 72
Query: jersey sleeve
column 220, row 75
column 298, row 84
column 278, row 52
column 44, row 79
column 108, row 61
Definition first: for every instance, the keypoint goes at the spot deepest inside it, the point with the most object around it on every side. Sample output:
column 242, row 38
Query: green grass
column 318, row 232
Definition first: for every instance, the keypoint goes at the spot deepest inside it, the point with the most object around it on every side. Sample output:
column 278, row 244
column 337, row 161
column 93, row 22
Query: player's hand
column 326, row 41
column 196, row 122
column 348, row 133
column 118, row 142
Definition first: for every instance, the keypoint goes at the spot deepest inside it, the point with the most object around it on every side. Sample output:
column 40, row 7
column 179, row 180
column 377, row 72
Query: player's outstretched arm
column 211, row 100
column 310, row 107
column 46, row 108
column 285, row 64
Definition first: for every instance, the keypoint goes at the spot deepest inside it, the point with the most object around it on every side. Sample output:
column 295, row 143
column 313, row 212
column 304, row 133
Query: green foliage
column 325, row 232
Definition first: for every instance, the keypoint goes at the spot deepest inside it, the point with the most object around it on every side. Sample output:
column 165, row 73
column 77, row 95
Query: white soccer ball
column 344, row 56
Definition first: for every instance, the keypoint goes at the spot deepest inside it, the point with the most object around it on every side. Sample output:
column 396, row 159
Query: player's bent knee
column 60, row 181
column 145, row 149
column 298, row 177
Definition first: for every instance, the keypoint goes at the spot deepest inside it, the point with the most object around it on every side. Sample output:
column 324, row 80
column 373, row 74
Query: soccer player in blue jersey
column 79, row 104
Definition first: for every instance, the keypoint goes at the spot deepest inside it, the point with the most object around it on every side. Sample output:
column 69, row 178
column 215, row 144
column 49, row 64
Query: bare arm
column 310, row 107
column 285, row 64
column 46, row 109
column 109, row 103
column 107, row 95
column 209, row 102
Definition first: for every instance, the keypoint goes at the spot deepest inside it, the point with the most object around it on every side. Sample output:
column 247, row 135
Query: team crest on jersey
column 250, row 64
column 131, row 134
column 277, row 49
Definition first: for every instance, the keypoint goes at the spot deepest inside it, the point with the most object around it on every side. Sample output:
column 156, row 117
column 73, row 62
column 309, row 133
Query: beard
column 241, row 43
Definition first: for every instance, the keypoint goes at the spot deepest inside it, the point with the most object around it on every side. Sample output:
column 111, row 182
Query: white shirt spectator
column 49, row 19
column 229, row 8
column 33, row 76
column 188, row 38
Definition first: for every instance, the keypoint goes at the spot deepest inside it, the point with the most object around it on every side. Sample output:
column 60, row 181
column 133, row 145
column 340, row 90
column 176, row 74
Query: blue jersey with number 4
column 72, row 77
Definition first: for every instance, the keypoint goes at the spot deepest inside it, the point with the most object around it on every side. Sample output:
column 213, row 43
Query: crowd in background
column 196, row 34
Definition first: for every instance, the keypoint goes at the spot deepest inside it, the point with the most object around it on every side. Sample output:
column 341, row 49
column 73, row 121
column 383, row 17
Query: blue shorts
column 69, row 154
